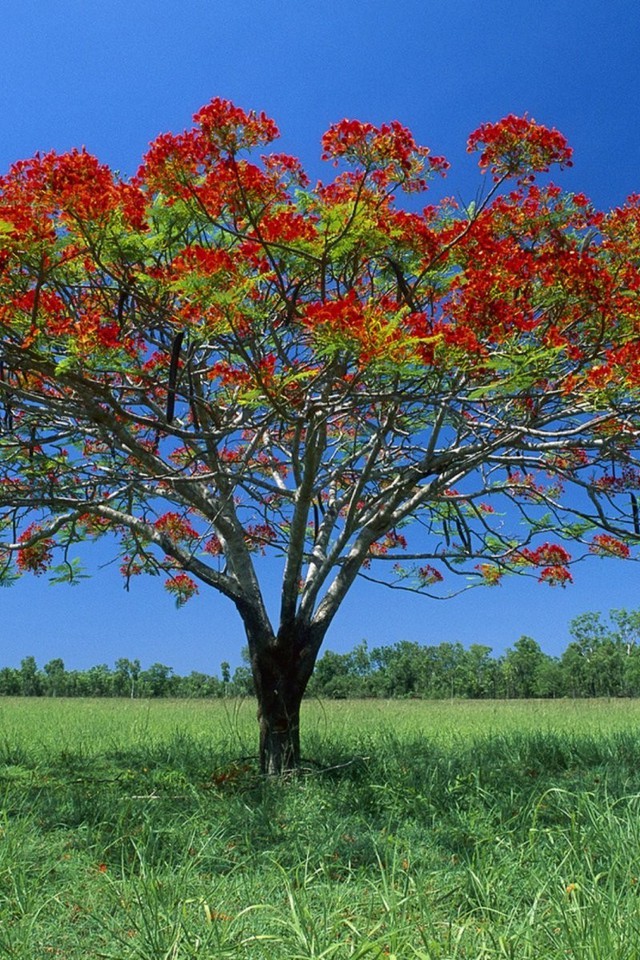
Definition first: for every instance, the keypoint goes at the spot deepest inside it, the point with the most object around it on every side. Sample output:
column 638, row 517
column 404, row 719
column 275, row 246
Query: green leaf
column 68, row 572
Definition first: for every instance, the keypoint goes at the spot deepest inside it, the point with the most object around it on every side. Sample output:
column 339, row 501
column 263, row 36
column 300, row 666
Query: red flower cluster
column 344, row 315
column 389, row 152
column 285, row 225
column 202, row 259
column 392, row 540
column 286, row 168
column 80, row 184
column 93, row 524
column 370, row 329
column 518, row 146
column 555, row 576
column 428, row 575
column 230, row 376
column 230, row 128
column 552, row 558
column 624, row 360
column 260, row 535
column 176, row 527
column 490, row 574
column 182, row 587
column 604, row 545
column 213, row 546
column 35, row 557
column 551, row 554
column 74, row 186
column 221, row 131
column 85, row 323
column 130, row 567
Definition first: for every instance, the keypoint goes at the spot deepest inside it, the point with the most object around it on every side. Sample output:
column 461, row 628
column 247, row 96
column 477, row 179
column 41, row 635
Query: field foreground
column 434, row 831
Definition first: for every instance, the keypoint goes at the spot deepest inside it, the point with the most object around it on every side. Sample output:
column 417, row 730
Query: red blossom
column 260, row 535
column 173, row 162
column 93, row 524
column 229, row 375
column 170, row 160
column 176, row 527
column 346, row 138
column 428, row 575
column 80, row 185
column 344, row 315
column 130, row 567
column 133, row 204
column 34, row 557
column 490, row 574
column 547, row 554
column 202, row 259
column 286, row 226
column 518, row 146
column 230, row 128
column 286, row 167
column 213, row 546
column 182, row 587
column 392, row 540
column 555, row 576
column 388, row 152
column 604, row 545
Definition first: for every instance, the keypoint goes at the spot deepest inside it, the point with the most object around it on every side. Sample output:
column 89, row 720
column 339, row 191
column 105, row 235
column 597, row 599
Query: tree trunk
column 281, row 672
column 279, row 738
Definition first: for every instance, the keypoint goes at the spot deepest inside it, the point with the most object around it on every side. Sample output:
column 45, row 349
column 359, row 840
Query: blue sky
column 113, row 75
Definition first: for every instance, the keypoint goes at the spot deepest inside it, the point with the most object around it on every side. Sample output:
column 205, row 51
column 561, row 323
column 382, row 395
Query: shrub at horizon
column 602, row 660
column 213, row 361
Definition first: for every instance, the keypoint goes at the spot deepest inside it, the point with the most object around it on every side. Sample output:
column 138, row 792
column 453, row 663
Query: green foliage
column 70, row 572
column 602, row 660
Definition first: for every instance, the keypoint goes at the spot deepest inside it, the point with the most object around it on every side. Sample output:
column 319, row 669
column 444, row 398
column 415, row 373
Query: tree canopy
column 214, row 360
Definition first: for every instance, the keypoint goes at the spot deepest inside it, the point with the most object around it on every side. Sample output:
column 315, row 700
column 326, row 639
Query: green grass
column 446, row 830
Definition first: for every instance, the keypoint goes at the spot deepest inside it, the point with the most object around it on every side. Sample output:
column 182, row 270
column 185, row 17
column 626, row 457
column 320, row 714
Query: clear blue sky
column 111, row 75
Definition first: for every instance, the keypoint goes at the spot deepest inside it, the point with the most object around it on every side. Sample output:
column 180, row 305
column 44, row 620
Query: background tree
column 197, row 684
column 606, row 651
column 522, row 665
column 125, row 677
column 213, row 361
column 550, row 681
column 30, row 678
column 403, row 669
column 480, row 672
column 55, row 678
column 97, row 681
column 626, row 628
column 602, row 660
column 157, row 681
column 225, row 671
column 10, row 685
column 332, row 677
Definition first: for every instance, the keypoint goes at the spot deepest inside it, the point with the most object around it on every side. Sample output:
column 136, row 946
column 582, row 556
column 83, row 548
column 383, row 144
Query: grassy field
column 416, row 830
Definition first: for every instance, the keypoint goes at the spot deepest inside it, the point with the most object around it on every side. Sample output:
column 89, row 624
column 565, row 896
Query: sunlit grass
column 448, row 830
column 91, row 726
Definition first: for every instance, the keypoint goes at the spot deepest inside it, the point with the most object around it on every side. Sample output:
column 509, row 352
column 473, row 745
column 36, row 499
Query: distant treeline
column 602, row 660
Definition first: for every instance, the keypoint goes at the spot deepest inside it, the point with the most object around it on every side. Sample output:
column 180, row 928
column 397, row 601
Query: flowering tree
column 213, row 361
